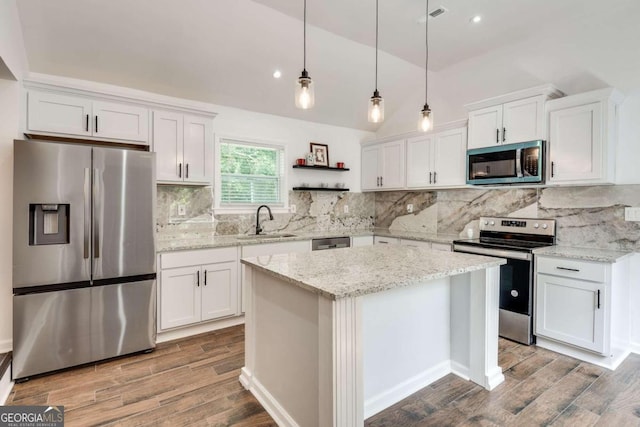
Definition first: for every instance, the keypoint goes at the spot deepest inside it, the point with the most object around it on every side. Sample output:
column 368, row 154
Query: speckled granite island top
column 584, row 254
column 351, row 272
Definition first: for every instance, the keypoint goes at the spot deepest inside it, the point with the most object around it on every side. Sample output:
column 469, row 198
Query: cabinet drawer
column 584, row 270
column 198, row 257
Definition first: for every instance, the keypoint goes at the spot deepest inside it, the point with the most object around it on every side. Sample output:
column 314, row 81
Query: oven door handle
column 501, row 253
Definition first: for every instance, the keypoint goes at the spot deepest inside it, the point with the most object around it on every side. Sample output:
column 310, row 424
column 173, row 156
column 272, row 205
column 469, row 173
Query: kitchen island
column 333, row 337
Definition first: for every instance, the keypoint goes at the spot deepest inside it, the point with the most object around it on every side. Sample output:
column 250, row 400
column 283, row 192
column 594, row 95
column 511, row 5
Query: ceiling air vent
column 433, row 14
column 437, row 12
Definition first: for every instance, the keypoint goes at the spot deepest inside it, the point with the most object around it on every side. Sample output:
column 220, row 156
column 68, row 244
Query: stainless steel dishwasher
column 330, row 243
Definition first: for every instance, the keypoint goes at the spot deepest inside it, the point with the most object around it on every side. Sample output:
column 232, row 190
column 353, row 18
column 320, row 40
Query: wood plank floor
column 194, row 382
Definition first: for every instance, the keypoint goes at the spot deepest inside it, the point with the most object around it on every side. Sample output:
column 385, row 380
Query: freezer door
column 47, row 176
column 123, row 318
column 124, row 195
column 51, row 331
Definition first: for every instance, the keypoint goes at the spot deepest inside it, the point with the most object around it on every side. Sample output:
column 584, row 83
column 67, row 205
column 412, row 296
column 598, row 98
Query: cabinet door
column 370, row 168
column 485, row 127
column 415, row 243
column 379, row 240
column 571, row 311
column 419, row 161
column 449, row 152
column 198, row 149
column 219, row 284
column 393, row 165
column 50, row 112
column 167, row 144
column 523, row 120
column 120, row 121
column 179, row 297
column 575, row 144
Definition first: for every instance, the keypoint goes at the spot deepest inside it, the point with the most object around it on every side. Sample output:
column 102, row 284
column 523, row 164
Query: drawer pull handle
column 568, row 269
column 598, row 298
column 198, row 278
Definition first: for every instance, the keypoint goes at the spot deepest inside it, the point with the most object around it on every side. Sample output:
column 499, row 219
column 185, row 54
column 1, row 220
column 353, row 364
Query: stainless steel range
column 513, row 239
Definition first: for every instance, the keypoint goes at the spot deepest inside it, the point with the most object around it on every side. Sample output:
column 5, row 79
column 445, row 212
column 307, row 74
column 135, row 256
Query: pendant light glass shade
column 305, row 97
column 425, row 123
column 376, row 108
column 376, row 103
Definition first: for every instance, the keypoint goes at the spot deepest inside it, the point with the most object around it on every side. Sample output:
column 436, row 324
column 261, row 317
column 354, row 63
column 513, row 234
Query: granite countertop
column 585, row 254
column 351, row 272
column 189, row 241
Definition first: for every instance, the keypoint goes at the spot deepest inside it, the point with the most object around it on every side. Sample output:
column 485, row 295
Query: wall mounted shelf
column 319, row 189
column 320, row 168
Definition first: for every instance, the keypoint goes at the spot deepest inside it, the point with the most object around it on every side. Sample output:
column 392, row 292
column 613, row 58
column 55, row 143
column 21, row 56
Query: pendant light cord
column 304, row 38
column 426, row 62
column 376, row 45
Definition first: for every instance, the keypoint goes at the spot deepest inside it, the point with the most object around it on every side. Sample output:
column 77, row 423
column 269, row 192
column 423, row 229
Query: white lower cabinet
column 583, row 305
column 197, row 286
column 379, row 240
column 361, row 241
column 572, row 311
column 409, row 242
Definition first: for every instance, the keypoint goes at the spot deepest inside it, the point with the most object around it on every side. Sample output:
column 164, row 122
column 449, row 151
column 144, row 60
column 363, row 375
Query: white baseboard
column 460, row 370
column 635, row 347
column 6, row 346
column 617, row 354
column 188, row 331
column 406, row 388
column 269, row 403
column 6, row 385
column 494, row 378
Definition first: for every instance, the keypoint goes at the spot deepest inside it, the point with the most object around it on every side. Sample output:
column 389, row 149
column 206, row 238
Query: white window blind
column 250, row 174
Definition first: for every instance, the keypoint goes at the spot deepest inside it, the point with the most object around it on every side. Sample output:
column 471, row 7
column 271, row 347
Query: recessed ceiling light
column 277, row 74
column 476, row 19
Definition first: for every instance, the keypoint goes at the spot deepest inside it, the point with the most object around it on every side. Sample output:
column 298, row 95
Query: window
column 250, row 174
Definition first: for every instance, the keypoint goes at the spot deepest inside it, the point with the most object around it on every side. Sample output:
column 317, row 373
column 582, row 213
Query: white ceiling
column 224, row 51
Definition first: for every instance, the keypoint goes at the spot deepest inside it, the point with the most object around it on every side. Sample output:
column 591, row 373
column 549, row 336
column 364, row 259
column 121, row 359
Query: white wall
column 344, row 143
column 13, row 56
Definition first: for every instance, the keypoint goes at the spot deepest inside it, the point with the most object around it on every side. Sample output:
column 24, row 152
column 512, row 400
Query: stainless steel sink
column 265, row 236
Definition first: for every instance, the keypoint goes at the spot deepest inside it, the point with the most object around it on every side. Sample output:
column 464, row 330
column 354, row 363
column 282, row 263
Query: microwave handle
column 519, row 162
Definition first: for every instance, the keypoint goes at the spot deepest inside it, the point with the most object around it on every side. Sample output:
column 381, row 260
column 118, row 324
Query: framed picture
column 320, row 154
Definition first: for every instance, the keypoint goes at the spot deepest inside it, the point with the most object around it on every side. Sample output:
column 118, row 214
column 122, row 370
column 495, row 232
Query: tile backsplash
column 587, row 216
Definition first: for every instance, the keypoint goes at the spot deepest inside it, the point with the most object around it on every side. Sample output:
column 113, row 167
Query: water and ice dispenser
column 48, row 224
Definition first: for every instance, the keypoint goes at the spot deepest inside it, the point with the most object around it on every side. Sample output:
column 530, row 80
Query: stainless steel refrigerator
column 84, row 265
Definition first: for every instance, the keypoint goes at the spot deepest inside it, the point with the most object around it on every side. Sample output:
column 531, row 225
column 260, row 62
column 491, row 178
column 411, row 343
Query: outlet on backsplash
column 182, row 210
column 410, row 208
column 293, row 208
column 346, row 209
column 632, row 214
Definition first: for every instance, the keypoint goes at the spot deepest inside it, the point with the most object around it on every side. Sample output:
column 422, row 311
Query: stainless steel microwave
column 506, row 164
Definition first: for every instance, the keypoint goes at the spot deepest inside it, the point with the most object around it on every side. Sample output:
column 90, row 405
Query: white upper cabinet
column 437, row 160
column 184, row 148
column 383, row 166
column 77, row 116
column 118, row 121
column 511, row 118
column 198, row 149
column 582, row 138
column 485, row 126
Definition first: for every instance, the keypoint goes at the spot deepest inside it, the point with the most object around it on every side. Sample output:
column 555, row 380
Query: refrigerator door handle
column 87, row 212
column 96, row 216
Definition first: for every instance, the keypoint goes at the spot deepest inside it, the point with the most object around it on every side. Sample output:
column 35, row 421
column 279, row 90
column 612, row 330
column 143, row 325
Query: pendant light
column 376, row 103
column 426, row 123
column 305, row 97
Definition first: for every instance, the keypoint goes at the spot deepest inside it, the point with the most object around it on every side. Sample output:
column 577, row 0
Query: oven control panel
column 546, row 227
